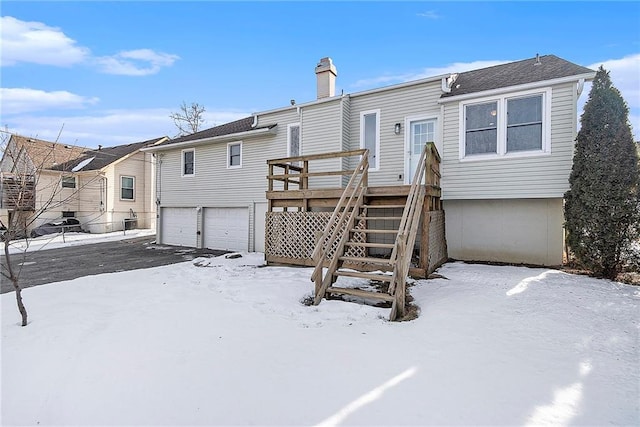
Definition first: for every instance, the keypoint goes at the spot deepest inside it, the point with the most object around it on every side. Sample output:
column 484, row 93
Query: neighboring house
column 100, row 188
column 505, row 134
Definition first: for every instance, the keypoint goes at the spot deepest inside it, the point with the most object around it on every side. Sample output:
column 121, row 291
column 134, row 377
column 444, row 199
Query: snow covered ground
column 225, row 342
column 54, row 241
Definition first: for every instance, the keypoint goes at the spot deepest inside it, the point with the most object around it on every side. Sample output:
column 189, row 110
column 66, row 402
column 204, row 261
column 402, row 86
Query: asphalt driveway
column 54, row 265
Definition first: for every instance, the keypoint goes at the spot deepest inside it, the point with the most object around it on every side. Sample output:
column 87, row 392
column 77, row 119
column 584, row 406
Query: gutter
column 525, row 86
column 271, row 130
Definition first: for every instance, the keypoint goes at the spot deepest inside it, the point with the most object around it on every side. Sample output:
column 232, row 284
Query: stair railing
column 407, row 231
column 337, row 231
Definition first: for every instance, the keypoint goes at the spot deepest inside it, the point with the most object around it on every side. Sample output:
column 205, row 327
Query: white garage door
column 226, row 228
column 179, row 226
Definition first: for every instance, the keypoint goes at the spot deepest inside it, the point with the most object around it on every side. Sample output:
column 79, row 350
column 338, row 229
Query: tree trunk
column 14, row 281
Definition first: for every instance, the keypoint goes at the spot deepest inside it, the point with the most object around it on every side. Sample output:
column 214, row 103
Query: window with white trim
column 506, row 126
column 127, row 187
column 293, row 140
column 370, row 136
column 69, row 181
column 234, row 155
column 188, row 162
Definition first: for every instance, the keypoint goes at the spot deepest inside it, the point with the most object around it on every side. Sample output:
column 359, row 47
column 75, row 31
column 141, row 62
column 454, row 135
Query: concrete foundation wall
column 525, row 231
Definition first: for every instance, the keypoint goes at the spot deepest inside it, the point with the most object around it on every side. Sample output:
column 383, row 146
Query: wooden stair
column 351, row 221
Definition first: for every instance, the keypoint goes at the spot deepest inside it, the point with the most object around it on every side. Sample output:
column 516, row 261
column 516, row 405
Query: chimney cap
column 326, row 64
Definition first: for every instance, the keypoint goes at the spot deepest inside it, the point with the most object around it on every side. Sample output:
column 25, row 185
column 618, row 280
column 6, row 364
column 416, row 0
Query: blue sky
column 112, row 72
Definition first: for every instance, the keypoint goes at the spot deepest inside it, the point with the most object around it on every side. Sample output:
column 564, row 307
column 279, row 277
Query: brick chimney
column 326, row 75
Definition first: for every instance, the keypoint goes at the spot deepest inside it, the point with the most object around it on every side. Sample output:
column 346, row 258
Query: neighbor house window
column 68, row 182
column 293, row 140
column 127, row 187
column 370, row 136
column 507, row 125
column 234, row 155
column 188, row 162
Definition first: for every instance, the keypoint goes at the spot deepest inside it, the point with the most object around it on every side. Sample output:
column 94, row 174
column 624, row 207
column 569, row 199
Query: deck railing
column 17, row 191
column 295, row 170
column 407, row 231
column 341, row 221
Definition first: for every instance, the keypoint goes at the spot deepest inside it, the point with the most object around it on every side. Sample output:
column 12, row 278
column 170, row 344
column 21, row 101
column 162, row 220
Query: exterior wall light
column 397, row 128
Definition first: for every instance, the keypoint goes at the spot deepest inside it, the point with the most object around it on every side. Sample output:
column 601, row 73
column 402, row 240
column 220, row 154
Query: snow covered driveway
column 226, row 343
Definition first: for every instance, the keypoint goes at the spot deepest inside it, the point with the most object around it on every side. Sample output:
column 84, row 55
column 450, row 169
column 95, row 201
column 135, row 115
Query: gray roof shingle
column 104, row 156
column 515, row 73
column 238, row 126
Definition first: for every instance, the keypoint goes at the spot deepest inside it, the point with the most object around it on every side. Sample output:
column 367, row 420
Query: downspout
column 580, row 87
column 158, row 158
column 255, row 120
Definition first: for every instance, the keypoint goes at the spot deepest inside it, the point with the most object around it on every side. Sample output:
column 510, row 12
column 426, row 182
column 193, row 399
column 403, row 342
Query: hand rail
column 405, row 239
column 299, row 175
column 356, row 188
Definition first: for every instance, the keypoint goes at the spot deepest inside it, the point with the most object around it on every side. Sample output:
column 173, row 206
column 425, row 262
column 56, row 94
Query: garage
column 179, row 226
column 226, row 228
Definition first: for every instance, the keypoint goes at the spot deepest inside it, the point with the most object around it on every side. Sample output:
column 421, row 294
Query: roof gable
column 43, row 154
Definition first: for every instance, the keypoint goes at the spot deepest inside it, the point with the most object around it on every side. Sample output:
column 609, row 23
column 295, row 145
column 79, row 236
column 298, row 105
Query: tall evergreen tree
column 602, row 207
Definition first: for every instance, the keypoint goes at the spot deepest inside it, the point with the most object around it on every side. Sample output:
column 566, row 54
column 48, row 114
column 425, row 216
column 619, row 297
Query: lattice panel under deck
column 293, row 234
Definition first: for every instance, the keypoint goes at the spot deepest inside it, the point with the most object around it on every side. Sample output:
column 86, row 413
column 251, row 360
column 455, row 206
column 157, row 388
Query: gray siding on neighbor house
column 540, row 176
column 394, row 105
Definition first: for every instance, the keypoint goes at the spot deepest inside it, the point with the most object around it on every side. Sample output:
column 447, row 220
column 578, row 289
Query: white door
column 226, row 228
column 179, row 226
column 420, row 132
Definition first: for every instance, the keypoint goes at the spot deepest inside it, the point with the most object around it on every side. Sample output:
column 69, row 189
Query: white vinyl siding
column 214, row 184
column 512, row 176
column 394, row 105
column 320, row 127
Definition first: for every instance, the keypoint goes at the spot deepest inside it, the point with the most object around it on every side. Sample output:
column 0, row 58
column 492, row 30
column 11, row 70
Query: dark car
column 58, row 226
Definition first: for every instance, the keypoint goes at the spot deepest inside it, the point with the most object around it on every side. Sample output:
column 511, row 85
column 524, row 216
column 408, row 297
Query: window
column 234, row 155
column 188, row 162
column 506, row 126
column 481, row 124
column 524, row 124
column 68, row 182
column 68, row 214
column 293, row 140
column 370, row 136
column 127, row 187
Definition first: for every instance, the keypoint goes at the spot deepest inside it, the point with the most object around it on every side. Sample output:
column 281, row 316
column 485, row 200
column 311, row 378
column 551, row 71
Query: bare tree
column 189, row 119
column 29, row 187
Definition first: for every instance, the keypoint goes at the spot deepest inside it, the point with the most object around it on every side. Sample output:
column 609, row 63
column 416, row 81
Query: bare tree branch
column 189, row 119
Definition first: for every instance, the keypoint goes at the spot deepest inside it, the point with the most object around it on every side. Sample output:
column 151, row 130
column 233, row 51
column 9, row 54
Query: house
column 505, row 137
column 101, row 187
